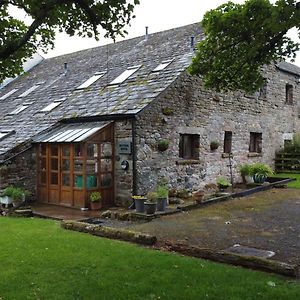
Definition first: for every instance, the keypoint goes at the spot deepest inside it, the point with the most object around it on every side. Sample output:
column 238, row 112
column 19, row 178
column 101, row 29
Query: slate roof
column 99, row 99
column 288, row 67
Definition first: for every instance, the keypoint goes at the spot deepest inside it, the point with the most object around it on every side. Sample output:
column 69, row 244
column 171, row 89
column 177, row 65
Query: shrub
column 246, row 170
column 214, row 145
column 223, row 183
column 152, row 197
column 162, row 191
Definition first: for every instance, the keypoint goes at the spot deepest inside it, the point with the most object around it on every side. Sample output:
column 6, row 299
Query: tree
column 241, row 38
column 19, row 41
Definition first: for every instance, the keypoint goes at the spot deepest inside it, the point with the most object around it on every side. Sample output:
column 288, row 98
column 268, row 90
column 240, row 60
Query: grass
column 293, row 184
column 39, row 260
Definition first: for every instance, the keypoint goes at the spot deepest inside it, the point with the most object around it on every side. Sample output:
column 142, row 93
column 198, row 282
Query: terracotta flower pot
column 198, row 196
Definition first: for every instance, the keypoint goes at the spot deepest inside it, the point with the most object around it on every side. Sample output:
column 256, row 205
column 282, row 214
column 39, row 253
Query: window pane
column 91, row 181
column 227, row 141
column 54, row 164
column 78, row 181
column 66, row 150
column 78, row 148
column 78, row 165
column 106, row 165
column 66, row 179
column 106, row 180
column 189, row 146
column 42, row 149
column 92, row 150
column 106, row 149
column 54, row 178
column 91, row 166
column 43, row 164
column 66, row 165
column 54, row 150
column 43, row 177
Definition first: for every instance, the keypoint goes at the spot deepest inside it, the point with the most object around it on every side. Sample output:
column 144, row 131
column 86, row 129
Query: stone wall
column 20, row 170
column 192, row 109
column 123, row 178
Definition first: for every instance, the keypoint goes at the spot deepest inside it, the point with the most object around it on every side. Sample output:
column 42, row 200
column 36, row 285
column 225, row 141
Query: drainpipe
column 134, row 157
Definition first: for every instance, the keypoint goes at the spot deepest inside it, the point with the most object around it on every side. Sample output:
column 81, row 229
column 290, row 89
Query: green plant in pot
column 246, row 172
column 95, row 200
column 163, row 145
column 223, row 183
column 214, row 145
column 261, row 172
column 16, row 194
column 150, row 204
column 162, row 197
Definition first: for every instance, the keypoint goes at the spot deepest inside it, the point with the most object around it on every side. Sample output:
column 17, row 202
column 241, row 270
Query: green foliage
column 162, row 191
column 214, row 145
column 95, row 197
column 163, row 144
column 152, row 197
column 293, row 184
column 223, row 183
column 261, row 169
column 15, row 193
column 18, row 41
column 240, row 39
column 246, row 169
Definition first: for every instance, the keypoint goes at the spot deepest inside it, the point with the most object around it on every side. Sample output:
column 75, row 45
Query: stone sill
column 188, row 162
column 254, row 154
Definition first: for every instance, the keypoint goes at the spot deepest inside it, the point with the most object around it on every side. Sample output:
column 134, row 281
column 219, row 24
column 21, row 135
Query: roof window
column 6, row 133
column 8, row 94
column 125, row 75
column 30, row 90
column 19, row 109
column 163, row 65
column 51, row 106
column 90, row 81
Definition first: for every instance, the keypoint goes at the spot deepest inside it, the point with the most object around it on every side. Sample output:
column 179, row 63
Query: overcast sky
column 158, row 15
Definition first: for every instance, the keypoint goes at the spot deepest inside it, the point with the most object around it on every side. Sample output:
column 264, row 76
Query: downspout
column 134, row 158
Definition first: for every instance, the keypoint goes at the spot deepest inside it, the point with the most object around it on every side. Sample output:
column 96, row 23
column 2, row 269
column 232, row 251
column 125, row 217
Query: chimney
column 147, row 33
column 66, row 68
column 192, row 43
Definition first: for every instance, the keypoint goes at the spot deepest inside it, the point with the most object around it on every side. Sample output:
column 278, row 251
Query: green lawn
column 39, row 260
column 293, row 184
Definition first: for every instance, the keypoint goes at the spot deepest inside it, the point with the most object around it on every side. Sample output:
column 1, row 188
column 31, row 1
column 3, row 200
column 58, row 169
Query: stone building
column 99, row 119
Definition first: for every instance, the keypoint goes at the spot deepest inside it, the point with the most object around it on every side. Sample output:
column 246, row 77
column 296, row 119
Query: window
column 90, row 81
column 227, row 141
column 51, row 106
column 6, row 133
column 289, row 94
column 30, row 90
column 189, row 146
column 162, row 66
column 126, row 74
column 8, row 94
column 255, row 142
column 19, row 109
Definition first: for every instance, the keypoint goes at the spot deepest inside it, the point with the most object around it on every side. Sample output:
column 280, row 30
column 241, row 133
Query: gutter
column 134, row 158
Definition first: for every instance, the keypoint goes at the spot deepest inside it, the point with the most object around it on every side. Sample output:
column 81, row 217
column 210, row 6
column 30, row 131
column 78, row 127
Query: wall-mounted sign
column 124, row 147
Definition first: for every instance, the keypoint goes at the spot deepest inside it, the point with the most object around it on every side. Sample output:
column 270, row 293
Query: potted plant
column 214, row 145
column 95, row 200
column 261, row 172
column 223, row 183
column 246, row 172
column 163, row 145
column 150, row 204
column 198, row 195
column 16, row 195
column 139, row 203
column 162, row 197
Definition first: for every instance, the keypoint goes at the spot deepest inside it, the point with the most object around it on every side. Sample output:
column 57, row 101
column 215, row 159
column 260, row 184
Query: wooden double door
column 69, row 172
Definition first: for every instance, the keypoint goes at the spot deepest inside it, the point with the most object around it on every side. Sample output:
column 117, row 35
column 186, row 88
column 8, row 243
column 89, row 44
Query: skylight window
column 19, row 109
column 8, row 94
column 51, row 106
column 30, row 90
column 162, row 66
column 90, row 81
column 125, row 75
column 5, row 133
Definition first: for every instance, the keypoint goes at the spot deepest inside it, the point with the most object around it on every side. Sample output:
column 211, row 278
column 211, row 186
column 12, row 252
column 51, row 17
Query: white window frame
column 90, row 81
column 125, row 75
column 163, row 65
